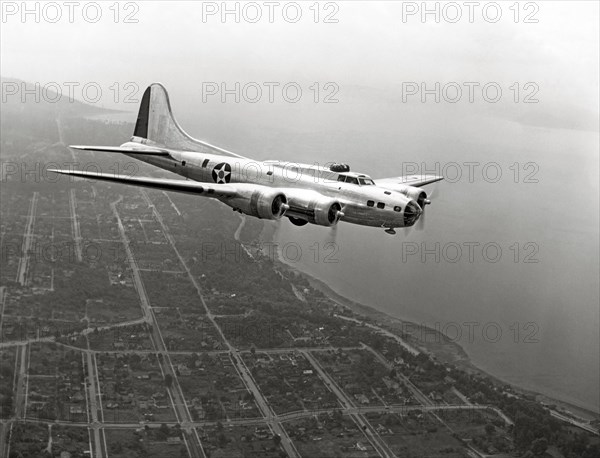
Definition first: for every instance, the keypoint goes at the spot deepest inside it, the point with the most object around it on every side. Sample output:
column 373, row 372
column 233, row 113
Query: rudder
column 156, row 124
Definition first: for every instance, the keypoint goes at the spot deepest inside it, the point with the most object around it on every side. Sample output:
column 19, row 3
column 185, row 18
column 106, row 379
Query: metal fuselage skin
column 361, row 204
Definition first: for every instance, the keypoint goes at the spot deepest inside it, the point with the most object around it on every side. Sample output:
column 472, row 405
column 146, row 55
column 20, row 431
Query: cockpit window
column 366, row 181
column 354, row 180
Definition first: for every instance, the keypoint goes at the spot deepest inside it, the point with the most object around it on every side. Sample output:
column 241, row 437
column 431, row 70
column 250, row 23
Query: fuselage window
column 397, row 208
column 204, row 163
column 183, row 163
column 370, row 203
column 380, row 205
column 351, row 180
column 341, row 178
column 365, row 181
column 387, row 192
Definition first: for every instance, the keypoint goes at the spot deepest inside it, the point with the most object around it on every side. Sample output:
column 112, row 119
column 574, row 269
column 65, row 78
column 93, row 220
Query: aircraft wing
column 124, row 150
column 184, row 186
column 407, row 180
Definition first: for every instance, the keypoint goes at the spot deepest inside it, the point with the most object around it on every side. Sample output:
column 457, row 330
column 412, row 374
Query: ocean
column 508, row 261
column 507, row 267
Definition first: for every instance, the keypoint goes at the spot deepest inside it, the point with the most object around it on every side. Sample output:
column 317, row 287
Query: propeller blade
column 433, row 194
column 421, row 222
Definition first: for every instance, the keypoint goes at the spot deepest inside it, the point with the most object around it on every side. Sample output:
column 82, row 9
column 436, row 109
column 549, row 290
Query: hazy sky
column 369, row 45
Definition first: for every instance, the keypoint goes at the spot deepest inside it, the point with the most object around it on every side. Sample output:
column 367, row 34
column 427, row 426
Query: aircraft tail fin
column 156, row 125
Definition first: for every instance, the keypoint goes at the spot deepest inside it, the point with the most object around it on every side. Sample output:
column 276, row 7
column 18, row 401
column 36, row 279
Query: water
column 534, row 323
column 546, row 311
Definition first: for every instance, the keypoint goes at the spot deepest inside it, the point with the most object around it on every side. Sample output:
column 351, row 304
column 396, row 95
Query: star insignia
column 221, row 173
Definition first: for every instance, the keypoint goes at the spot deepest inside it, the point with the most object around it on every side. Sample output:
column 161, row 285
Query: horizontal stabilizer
column 408, row 180
column 184, row 186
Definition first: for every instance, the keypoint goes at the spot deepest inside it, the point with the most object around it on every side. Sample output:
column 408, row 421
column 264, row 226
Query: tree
column 163, row 432
column 539, row 446
column 168, row 380
column 222, row 440
column 490, row 429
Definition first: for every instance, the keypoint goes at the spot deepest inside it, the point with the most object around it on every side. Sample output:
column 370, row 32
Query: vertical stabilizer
column 156, row 123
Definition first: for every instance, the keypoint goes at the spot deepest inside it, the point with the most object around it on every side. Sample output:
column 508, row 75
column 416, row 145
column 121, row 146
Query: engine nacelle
column 262, row 203
column 417, row 194
column 323, row 211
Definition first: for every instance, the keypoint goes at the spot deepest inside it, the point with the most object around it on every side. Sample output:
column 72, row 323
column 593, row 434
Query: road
column 286, row 443
column 21, row 385
column 378, row 444
column 412, row 350
column 90, row 382
column 5, row 428
column 3, row 293
column 75, row 225
column 573, row 422
column 166, row 366
column 23, row 269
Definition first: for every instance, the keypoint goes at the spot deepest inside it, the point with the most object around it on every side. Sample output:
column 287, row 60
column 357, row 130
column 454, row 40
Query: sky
column 372, row 44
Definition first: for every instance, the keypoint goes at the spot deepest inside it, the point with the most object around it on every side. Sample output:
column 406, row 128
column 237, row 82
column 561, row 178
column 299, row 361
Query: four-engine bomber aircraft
column 268, row 189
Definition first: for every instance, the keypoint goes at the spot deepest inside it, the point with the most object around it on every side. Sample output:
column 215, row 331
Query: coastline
column 447, row 352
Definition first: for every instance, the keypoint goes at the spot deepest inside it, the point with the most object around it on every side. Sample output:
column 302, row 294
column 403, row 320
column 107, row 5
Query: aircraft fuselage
column 368, row 205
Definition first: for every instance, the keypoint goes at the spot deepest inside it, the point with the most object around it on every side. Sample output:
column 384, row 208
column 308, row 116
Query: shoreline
column 451, row 352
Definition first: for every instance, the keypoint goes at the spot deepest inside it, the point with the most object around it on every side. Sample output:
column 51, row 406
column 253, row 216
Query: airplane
column 304, row 193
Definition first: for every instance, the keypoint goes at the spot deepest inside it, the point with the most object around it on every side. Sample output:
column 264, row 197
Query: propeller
column 421, row 222
column 334, row 228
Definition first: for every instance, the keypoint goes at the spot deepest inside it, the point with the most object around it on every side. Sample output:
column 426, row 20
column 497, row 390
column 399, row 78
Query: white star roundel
column 221, row 173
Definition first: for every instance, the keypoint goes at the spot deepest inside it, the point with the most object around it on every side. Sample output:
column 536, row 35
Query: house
column 449, row 380
column 361, row 398
column 360, row 447
column 77, row 397
column 184, row 370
